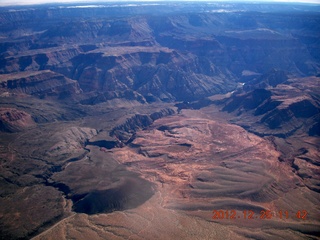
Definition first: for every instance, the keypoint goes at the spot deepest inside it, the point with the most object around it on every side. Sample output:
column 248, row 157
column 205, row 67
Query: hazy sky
column 27, row 2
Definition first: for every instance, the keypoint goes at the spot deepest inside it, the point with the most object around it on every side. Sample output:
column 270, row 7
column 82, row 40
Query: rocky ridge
column 169, row 57
column 126, row 131
column 280, row 111
column 87, row 99
column 39, row 83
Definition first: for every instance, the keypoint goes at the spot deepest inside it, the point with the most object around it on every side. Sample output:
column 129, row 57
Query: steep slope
column 39, row 83
column 287, row 114
column 151, row 71
column 291, row 106
column 91, row 144
column 173, row 55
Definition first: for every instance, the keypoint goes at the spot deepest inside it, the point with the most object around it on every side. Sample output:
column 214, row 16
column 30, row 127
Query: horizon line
column 10, row 3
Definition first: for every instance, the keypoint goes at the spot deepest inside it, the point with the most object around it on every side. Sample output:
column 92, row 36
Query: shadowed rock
column 130, row 194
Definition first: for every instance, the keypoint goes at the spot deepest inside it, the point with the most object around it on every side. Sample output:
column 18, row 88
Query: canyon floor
column 167, row 120
column 196, row 163
column 72, row 180
column 167, row 182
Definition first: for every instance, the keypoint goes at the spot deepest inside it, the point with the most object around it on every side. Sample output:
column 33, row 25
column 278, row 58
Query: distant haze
column 30, row 2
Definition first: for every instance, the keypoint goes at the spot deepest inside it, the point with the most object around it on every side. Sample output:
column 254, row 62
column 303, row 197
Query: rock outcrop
column 270, row 79
column 13, row 120
column 71, row 140
column 87, row 94
column 180, row 56
column 163, row 73
column 280, row 110
column 124, row 132
column 40, row 83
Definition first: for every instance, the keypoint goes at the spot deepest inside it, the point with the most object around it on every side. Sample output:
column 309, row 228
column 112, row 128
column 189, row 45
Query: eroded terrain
column 195, row 165
column 194, row 121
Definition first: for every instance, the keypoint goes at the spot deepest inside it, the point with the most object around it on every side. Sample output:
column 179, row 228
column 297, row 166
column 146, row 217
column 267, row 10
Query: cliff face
column 29, row 59
column 160, row 72
column 87, row 96
column 180, row 56
column 40, row 84
column 281, row 110
column 125, row 132
column 267, row 80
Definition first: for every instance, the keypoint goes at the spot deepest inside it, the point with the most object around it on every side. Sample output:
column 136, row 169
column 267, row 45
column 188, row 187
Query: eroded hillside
column 159, row 121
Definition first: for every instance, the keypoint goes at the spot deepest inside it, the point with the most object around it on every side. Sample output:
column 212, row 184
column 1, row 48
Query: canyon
column 162, row 120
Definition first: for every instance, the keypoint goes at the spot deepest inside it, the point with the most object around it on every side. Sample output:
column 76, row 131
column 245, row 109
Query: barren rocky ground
column 160, row 121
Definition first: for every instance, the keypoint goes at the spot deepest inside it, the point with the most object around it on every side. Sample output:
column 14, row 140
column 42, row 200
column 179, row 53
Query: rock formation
column 159, row 120
column 13, row 120
column 39, row 83
column 280, row 110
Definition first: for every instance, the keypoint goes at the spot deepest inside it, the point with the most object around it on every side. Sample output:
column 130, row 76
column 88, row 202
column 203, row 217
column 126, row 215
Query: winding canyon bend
column 162, row 120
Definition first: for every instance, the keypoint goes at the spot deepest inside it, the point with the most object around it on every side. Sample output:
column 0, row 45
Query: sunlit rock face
column 160, row 120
